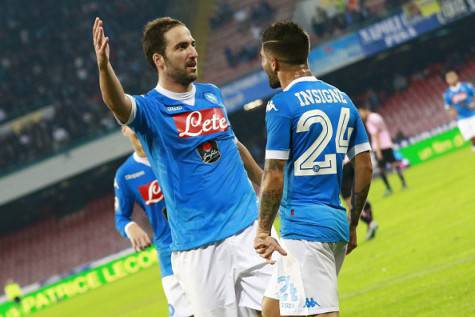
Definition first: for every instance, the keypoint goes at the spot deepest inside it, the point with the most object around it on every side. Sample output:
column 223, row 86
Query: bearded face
column 271, row 73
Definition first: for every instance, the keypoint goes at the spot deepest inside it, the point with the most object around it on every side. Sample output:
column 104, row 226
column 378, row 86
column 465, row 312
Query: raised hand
column 101, row 44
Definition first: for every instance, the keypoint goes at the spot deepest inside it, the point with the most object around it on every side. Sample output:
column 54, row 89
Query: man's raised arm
column 111, row 88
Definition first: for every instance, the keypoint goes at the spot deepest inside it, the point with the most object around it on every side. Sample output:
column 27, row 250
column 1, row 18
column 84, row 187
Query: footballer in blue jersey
column 311, row 126
column 135, row 183
column 204, row 172
column 459, row 100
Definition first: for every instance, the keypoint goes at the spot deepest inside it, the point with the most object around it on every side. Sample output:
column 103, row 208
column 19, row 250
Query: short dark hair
column 154, row 36
column 287, row 41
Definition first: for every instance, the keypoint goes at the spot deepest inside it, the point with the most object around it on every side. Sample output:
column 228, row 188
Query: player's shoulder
column 278, row 103
column 125, row 168
column 207, row 88
column 210, row 91
column 467, row 85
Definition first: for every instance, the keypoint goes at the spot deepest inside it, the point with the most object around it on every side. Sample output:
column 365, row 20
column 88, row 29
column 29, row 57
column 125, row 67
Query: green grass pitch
column 422, row 262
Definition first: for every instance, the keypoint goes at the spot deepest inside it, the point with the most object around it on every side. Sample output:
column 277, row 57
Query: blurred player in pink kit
column 382, row 145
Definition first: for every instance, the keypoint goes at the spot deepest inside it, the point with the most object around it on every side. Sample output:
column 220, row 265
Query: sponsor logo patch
column 151, row 192
column 201, row 122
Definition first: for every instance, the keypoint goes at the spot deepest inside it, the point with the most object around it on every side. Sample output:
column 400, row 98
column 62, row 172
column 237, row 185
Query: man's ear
column 158, row 60
column 275, row 64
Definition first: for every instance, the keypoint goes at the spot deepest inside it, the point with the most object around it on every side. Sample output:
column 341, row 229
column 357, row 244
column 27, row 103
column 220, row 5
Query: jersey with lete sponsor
column 191, row 147
column 460, row 98
column 135, row 182
column 313, row 125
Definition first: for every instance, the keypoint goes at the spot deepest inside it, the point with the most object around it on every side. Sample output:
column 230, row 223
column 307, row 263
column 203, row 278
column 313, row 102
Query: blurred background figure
column 459, row 101
column 13, row 291
column 382, row 145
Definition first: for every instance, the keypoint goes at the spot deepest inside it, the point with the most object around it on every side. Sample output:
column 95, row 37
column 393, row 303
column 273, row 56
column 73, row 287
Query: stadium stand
column 48, row 62
column 56, row 246
column 58, row 78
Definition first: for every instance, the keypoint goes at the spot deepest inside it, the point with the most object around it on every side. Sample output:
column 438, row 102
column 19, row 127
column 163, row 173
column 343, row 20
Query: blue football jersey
column 135, row 182
column 313, row 125
column 460, row 98
column 193, row 153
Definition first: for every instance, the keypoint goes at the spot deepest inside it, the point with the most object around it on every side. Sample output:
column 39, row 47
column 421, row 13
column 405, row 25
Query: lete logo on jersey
column 201, row 122
column 151, row 192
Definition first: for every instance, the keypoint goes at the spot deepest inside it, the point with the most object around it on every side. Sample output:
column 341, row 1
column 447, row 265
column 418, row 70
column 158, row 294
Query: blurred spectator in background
column 13, row 292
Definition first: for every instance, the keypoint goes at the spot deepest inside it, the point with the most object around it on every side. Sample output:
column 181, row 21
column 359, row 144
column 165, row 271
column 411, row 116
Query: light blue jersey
column 135, row 183
column 313, row 125
column 460, row 98
column 192, row 150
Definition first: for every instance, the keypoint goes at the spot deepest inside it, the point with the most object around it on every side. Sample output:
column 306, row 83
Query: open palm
column 101, row 43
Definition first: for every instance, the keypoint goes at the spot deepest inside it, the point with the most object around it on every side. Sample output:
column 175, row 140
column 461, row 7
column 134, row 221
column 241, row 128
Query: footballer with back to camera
column 311, row 126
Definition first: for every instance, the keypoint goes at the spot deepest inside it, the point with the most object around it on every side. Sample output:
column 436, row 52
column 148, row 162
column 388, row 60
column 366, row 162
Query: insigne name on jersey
column 134, row 175
column 201, row 122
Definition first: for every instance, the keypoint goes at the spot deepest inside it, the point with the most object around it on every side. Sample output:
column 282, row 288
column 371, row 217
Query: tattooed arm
column 271, row 194
column 361, row 185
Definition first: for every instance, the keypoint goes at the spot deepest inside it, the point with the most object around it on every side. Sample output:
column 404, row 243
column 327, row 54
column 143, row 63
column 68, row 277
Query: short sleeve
column 278, row 125
column 470, row 90
column 139, row 118
column 447, row 101
column 123, row 205
column 359, row 138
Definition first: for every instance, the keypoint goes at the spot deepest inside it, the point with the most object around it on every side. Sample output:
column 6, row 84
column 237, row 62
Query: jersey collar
column 185, row 97
column 142, row 160
column 300, row 79
column 456, row 88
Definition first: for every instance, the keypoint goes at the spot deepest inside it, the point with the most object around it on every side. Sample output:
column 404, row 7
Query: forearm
column 254, row 172
column 361, row 186
column 113, row 94
column 269, row 206
column 271, row 194
column 120, row 223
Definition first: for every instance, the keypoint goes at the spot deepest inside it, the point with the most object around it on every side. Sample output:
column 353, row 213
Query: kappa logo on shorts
column 310, row 303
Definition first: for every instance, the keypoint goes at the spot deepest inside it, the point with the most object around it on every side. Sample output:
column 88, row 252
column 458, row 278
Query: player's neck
column 140, row 153
column 288, row 76
column 173, row 86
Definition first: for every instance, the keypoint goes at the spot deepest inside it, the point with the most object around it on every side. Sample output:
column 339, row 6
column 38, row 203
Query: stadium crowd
column 51, row 50
column 46, row 61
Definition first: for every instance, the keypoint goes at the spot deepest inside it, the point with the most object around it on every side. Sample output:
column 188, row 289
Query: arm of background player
column 271, row 194
column 111, row 88
column 448, row 107
column 124, row 207
column 254, row 172
column 361, row 185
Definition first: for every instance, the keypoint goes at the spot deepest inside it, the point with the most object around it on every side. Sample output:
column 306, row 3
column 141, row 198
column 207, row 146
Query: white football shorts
column 178, row 304
column 306, row 280
column 467, row 127
column 225, row 279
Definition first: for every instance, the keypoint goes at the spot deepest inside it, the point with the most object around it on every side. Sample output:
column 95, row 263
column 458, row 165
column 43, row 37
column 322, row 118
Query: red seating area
column 420, row 107
column 236, row 35
column 56, row 246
